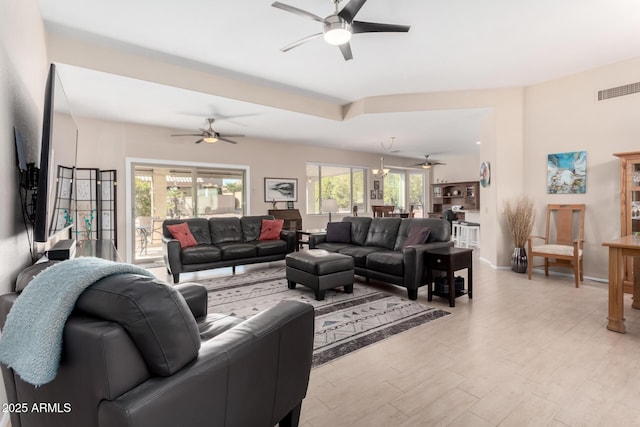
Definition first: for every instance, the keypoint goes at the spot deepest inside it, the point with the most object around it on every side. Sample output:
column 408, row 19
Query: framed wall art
column 567, row 173
column 280, row 190
column 485, row 174
column 374, row 194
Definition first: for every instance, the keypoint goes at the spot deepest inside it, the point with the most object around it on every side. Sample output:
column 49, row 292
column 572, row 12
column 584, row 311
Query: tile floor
column 520, row 353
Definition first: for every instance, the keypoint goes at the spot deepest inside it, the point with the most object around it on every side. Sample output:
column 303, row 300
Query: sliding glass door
column 161, row 192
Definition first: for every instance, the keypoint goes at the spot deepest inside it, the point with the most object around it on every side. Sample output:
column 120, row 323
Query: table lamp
column 330, row 205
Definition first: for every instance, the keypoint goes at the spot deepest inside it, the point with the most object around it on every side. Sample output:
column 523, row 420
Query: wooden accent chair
column 563, row 243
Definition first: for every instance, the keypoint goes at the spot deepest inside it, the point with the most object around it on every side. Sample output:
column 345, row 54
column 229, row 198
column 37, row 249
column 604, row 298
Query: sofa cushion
column 359, row 228
column 200, row 254
column 237, row 250
column 270, row 247
column 390, row 262
column 154, row 314
column 182, row 233
column 225, row 230
column 359, row 253
column 332, row 247
column 338, row 232
column 199, row 229
column 417, row 236
column 270, row 229
column 252, row 226
column 383, row 232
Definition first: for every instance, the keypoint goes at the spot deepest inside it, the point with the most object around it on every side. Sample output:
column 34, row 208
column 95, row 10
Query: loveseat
column 223, row 242
column 138, row 352
column 378, row 248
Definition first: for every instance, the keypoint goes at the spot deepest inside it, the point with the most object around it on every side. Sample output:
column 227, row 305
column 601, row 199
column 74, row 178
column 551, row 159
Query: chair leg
column 292, row 419
column 581, row 271
column 546, row 266
column 529, row 267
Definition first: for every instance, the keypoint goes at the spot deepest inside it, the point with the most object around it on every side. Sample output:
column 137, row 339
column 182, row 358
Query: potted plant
column 520, row 216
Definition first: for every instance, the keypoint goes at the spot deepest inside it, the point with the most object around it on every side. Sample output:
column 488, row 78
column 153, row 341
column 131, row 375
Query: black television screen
column 54, row 204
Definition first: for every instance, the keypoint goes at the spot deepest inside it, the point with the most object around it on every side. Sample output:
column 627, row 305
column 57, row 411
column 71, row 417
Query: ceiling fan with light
column 209, row 135
column 429, row 162
column 338, row 27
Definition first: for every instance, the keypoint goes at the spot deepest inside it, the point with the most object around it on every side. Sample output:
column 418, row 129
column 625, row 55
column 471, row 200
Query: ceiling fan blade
column 351, row 9
column 346, row 51
column 299, row 42
column 297, row 11
column 230, row 135
column 226, row 140
column 199, row 141
column 186, row 134
column 374, row 27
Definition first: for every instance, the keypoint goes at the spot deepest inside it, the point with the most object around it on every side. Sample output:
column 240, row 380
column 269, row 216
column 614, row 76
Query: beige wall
column 107, row 145
column 563, row 115
column 23, row 73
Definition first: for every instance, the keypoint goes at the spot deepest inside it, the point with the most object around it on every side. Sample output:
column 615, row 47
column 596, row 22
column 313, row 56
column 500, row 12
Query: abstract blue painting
column 567, row 173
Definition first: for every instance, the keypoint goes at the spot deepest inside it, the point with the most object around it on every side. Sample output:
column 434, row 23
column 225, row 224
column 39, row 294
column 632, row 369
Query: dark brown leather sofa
column 138, row 352
column 378, row 250
column 223, row 242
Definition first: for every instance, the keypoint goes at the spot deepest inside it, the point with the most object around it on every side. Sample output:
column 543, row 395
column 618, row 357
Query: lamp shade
column 330, row 205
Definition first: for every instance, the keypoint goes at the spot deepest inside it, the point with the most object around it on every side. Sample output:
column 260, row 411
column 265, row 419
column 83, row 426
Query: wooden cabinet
column 445, row 195
column 630, row 209
column 291, row 217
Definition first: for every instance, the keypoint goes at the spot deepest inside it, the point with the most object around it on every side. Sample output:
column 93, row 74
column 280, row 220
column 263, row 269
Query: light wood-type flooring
column 521, row 353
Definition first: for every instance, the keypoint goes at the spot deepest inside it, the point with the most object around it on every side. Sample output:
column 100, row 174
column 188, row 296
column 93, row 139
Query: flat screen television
column 54, row 211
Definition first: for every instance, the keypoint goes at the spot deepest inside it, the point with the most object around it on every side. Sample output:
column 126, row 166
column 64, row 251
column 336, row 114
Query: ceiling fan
column 428, row 163
column 338, row 27
column 209, row 135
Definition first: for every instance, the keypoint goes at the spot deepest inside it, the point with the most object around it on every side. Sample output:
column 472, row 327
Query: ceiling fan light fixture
column 426, row 166
column 210, row 139
column 336, row 31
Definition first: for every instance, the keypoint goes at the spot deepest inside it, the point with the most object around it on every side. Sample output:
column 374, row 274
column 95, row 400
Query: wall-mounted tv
column 54, row 203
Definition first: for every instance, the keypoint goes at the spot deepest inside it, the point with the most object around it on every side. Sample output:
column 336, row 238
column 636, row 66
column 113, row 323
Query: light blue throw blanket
column 31, row 341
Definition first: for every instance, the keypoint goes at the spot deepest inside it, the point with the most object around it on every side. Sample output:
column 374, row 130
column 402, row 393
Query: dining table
column 618, row 249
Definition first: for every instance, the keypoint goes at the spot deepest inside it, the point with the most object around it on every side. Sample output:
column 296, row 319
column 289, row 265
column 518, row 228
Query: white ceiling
column 452, row 45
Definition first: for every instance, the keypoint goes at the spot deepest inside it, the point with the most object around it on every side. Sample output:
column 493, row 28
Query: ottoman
column 319, row 270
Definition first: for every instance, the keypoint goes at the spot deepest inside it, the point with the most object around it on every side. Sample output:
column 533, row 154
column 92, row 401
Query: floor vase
column 519, row 260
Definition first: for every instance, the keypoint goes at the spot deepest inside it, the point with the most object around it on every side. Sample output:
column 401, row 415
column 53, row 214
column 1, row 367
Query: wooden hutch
column 444, row 195
column 630, row 210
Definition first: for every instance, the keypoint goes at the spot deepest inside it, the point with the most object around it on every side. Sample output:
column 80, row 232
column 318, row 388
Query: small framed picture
column 290, row 205
column 376, row 185
column 373, row 194
column 380, row 195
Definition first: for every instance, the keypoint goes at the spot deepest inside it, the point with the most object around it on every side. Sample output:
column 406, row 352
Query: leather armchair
column 139, row 352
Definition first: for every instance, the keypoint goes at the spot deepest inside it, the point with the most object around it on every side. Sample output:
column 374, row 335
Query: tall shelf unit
column 630, row 210
column 445, row 195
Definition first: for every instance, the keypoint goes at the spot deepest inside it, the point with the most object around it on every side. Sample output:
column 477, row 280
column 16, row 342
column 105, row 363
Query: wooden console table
column 291, row 217
column 618, row 249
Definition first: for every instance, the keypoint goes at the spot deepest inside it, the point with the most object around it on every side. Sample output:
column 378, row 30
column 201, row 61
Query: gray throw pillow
column 338, row 232
column 417, row 236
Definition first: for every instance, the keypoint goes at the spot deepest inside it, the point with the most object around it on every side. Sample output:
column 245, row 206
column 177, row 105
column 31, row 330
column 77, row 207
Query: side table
column 300, row 233
column 450, row 260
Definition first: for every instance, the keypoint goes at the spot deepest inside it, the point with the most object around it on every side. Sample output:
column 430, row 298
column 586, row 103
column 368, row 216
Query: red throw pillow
column 183, row 234
column 271, row 229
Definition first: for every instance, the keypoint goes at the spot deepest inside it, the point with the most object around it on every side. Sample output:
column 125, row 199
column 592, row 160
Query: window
column 404, row 189
column 344, row 183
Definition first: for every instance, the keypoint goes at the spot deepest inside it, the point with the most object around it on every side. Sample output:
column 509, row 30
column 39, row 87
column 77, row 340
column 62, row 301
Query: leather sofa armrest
column 272, row 351
column 291, row 238
column 196, row 297
column 171, row 250
column 316, row 238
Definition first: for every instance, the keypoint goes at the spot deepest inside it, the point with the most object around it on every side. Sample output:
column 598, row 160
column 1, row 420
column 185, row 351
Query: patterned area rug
column 344, row 322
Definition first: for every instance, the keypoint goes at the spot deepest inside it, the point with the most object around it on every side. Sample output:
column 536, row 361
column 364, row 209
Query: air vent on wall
column 618, row 91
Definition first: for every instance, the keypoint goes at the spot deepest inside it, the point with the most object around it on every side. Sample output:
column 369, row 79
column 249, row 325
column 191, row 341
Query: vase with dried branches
column 520, row 215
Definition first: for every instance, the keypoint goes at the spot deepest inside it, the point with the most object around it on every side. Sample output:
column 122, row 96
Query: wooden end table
column 450, row 260
column 300, row 233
